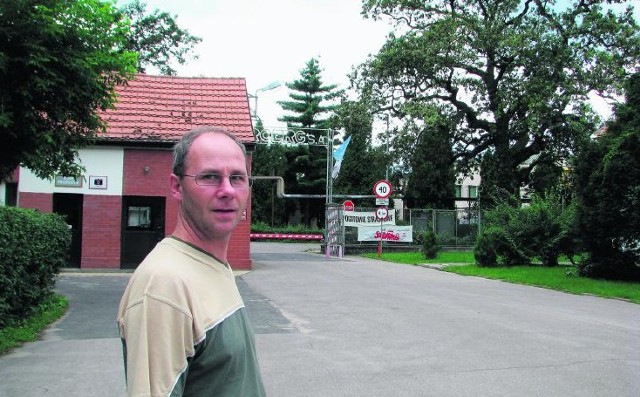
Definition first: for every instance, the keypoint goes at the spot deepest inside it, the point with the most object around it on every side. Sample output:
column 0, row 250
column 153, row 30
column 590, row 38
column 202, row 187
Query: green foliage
column 356, row 120
column 263, row 227
column 514, row 78
column 28, row 329
column 514, row 236
column 430, row 246
column 607, row 181
column 60, row 62
column 310, row 108
column 157, row 38
column 33, row 248
column 432, row 178
column 266, row 206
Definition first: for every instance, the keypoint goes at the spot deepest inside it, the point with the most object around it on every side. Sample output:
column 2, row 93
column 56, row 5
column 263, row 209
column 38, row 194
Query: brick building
column 122, row 205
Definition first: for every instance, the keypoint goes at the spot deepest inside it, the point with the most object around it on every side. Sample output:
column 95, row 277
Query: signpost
column 381, row 213
column 382, row 189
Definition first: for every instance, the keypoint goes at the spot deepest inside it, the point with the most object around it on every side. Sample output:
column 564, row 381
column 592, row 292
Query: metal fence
column 455, row 228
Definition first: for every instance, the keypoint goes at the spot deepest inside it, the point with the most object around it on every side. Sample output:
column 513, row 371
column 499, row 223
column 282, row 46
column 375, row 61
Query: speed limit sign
column 382, row 189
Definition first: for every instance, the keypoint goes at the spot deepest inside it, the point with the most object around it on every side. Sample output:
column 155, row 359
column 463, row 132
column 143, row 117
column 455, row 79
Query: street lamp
column 268, row 87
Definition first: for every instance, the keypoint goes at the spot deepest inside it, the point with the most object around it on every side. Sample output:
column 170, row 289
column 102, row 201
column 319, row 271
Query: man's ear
column 176, row 186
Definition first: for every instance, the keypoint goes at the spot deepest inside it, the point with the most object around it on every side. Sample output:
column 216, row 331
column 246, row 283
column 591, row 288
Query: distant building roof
column 163, row 108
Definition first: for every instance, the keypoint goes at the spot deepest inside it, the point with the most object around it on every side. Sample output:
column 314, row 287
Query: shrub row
column 541, row 231
column 33, row 248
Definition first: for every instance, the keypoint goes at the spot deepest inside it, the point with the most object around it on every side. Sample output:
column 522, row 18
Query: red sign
column 382, row 189
column 348, row 205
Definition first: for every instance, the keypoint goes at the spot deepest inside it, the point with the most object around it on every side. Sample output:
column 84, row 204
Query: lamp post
column 268, row 87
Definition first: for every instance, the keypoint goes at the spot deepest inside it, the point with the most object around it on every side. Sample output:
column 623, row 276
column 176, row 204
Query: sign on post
column 382, row 189
column 348, row 205
column 382, row 213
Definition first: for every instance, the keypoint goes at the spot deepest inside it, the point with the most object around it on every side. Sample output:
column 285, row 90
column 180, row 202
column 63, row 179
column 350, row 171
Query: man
column 182, row 321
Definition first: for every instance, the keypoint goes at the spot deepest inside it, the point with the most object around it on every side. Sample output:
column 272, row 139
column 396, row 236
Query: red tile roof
column 163, row 108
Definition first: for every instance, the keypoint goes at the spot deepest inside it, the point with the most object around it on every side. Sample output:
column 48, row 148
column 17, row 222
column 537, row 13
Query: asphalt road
column 359, row 327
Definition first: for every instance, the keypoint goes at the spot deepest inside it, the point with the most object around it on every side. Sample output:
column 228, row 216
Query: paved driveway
column 358, row 327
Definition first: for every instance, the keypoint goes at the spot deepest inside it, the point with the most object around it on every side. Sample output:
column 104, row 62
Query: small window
column 458, row 191
column 473, row 192
column 139, row 217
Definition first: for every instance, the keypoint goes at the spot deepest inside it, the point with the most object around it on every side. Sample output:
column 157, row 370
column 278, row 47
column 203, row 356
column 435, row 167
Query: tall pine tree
column 310, row 108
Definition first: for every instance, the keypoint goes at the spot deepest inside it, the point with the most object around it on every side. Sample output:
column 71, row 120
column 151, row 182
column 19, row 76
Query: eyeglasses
column 237, row 181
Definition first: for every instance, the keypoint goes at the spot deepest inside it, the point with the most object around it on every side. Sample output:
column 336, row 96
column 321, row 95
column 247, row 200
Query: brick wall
column 43, row 202
column 101, row 218
column 146, row 173
column 239, row 253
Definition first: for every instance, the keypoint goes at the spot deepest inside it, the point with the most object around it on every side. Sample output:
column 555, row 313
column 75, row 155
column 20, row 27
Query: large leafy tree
column 157, row 38
column 60, row 61
column 310, row 108
column 607, row 182
column 515, row 73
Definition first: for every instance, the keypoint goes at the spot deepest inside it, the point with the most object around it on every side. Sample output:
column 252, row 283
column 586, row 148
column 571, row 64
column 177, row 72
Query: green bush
column 430, row 246
column 543, row 231
column 495, row 247
column 33, row 248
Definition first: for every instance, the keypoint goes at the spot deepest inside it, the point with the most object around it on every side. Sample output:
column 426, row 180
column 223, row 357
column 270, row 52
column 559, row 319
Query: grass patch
column 414, row 258
column 560, row 278
column 29, row 329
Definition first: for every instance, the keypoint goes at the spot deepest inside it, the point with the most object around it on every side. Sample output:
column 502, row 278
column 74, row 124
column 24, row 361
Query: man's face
column 212, row 212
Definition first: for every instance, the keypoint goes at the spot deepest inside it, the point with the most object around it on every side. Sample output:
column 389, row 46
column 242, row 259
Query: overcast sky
column 271, row 40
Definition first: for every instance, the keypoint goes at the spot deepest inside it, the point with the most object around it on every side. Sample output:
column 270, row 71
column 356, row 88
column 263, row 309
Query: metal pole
column 329, row 198
column 386, row 166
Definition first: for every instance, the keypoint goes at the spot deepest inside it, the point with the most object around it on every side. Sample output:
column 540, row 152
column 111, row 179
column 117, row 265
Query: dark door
column 142, row 228
column 70, row 206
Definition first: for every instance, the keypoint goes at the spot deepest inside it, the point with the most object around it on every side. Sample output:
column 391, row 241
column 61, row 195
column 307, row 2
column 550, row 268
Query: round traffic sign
column 382, row 212
column 348, row 205
column 382, row 189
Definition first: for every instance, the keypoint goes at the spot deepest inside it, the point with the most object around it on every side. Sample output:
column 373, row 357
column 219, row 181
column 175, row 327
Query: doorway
column 69, row 205
column 142, row 228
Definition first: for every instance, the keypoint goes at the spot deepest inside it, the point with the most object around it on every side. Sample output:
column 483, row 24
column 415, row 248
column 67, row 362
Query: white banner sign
column 356, row 218
column 388, row 233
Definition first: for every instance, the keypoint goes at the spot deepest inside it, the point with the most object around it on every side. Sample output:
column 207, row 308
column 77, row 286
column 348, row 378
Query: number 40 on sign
column 382, row 189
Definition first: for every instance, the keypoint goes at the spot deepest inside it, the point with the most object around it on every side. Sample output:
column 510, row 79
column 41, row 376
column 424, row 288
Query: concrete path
column 359, row 327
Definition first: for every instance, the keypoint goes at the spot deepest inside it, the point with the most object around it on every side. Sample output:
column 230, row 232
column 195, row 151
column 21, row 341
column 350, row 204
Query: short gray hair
column 181, row 149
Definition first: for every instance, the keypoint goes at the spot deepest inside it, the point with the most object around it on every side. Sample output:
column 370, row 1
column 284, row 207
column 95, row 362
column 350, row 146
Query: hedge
column 34, row 246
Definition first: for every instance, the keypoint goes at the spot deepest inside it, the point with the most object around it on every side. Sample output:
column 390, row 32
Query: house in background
column 122, row 205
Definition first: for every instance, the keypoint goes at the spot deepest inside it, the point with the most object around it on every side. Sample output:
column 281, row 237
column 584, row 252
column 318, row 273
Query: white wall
column 99, row 162
column 473, row 180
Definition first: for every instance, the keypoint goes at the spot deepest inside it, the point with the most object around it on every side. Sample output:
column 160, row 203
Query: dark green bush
column 495, row 247
column 542, row 231
column 33, row 248
column 430, row 246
